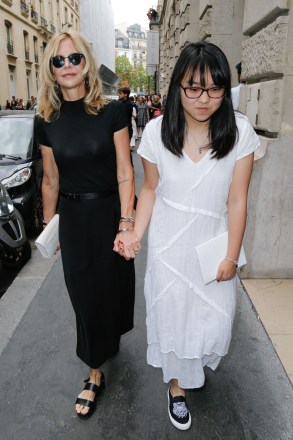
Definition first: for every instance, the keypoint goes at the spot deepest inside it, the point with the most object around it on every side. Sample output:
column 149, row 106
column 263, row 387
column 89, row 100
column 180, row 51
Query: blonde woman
column 85, row 147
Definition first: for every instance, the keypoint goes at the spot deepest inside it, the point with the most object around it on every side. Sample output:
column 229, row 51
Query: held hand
column 226, row 270
column 127, row 244
column 57, row 248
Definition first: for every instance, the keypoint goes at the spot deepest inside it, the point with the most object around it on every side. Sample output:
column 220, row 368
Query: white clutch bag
column 211, row 253
column 48, row 240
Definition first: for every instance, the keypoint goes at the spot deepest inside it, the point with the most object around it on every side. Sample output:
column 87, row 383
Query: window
column 11, row 80
column 26, row 46
column 9, row 42
column 37, row 81
column 41, row 8
column 36, row 51
column 28, row 83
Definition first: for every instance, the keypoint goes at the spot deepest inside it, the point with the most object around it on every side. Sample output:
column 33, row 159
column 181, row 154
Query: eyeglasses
column 196, row 92
column 74, row 59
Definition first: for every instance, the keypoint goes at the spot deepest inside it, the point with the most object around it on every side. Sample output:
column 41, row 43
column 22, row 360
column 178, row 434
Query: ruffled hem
column 188, row 372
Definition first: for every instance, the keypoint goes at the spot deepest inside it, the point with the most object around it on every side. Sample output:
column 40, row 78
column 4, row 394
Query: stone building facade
column 131, row 42
column 25, row 28
column 260, row 35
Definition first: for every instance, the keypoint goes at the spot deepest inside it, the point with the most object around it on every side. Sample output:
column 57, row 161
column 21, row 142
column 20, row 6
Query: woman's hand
column 226, row 270
column 127, row 244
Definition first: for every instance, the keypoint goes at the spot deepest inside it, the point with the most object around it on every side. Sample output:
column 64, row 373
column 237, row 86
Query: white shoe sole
column 176, row 424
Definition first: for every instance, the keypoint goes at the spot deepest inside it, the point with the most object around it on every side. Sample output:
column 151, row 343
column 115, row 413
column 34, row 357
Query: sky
column 132, row 11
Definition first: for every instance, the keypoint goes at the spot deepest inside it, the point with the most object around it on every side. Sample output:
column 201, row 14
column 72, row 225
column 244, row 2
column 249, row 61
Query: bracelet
column 125, row 230
column 126, row 219
column 235, row 262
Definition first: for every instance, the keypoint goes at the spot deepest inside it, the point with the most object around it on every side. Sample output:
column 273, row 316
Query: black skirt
column 101, row 283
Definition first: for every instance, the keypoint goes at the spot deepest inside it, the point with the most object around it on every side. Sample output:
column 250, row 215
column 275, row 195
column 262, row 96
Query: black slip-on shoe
column 178, row 412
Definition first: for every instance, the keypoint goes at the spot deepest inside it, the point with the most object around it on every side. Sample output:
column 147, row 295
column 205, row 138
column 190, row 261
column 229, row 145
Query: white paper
column 48, row 240
column 211, row 253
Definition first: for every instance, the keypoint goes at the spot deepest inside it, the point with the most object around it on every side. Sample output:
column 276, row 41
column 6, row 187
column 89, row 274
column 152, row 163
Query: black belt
column 88, row 196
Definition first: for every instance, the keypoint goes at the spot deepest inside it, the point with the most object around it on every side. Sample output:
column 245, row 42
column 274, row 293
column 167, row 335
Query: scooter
column 15, row 249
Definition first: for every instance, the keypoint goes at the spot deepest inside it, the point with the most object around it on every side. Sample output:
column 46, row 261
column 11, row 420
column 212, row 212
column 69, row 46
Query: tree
column 136, row 79
column 139, row 81
column 123, row 69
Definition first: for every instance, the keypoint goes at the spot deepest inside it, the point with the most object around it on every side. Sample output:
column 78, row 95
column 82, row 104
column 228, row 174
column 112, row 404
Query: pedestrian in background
column 197, row 160
column 85, row 147
column 133, row 122
column 142, row 115
column 123, row 93
column 156, row 106
column 150, row 107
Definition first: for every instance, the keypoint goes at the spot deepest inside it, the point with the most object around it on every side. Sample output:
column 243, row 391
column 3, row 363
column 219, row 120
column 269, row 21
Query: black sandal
column 91, row 404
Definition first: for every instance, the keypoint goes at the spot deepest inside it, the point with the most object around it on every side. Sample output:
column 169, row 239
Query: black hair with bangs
column 200, row 57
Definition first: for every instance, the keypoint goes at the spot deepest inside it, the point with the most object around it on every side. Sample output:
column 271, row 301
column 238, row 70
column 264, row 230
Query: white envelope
column 48, row 240
column 211, row 253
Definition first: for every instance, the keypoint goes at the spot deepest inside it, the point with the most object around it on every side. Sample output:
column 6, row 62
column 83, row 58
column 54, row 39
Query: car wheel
column 16, row 259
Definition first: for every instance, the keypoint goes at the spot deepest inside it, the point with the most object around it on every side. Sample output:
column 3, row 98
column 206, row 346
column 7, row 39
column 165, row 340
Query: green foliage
column 136, row 79
column 123, row 69
column 139, row 81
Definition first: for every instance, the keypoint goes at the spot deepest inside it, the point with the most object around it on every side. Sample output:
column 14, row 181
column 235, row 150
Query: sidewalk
column 273, row 302
column 248, row 397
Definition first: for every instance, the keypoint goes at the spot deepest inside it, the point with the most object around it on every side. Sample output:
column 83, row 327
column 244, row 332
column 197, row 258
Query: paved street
column 249, row 397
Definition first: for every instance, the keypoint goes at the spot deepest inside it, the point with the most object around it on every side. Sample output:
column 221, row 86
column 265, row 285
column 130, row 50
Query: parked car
column 21, row 165
column 15, row 248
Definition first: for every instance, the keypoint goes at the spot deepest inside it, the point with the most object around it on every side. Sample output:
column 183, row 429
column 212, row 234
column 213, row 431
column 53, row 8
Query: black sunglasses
column 74, row 59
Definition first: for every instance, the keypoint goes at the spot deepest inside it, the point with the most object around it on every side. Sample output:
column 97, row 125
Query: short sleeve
column 248, row 140
column 119, row 115
column 41, row 131
column 150, row 141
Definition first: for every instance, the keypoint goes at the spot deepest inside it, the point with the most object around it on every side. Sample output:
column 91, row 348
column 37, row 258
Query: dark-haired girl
column 197, row 160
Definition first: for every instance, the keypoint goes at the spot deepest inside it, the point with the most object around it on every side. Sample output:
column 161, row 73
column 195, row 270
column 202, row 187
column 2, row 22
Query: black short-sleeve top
column 83, row 145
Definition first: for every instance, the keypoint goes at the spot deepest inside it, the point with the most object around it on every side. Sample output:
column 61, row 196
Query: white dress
column 188, row 323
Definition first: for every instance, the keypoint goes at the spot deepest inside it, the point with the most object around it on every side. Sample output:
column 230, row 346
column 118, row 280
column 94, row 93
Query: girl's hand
column 127, row 244
column 226, row 270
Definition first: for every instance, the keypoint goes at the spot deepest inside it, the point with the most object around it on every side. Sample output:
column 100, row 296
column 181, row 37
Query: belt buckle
column 73, row 196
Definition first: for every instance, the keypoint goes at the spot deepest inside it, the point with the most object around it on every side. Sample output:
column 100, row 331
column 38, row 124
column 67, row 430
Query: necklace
column 203, row 146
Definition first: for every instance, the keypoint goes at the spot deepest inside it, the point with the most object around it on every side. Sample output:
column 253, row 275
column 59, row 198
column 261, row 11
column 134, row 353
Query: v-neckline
column 186, row 155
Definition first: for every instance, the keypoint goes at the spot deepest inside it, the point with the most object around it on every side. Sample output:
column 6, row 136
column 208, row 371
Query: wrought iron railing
column 34, row 15
column 9, row 46
column 24, row 7
column 44, row 22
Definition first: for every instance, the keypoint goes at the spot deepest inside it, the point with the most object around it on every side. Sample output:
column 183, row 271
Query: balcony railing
column 27, row 55
column 34, row 16
column 53, row 28
column 8, row 2
column 36, row 57
column 76, row 6
column 9, row 46
column 24, row 8
column 44, row 22
column 123, row 46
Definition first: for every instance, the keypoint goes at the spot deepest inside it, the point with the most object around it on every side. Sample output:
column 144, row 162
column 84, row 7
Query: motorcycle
column 15, row 249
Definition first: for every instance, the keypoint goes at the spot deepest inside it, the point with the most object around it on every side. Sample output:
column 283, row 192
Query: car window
column 16, row 136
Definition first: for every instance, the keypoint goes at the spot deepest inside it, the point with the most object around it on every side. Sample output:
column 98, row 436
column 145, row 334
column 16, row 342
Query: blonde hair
column 50, row 95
